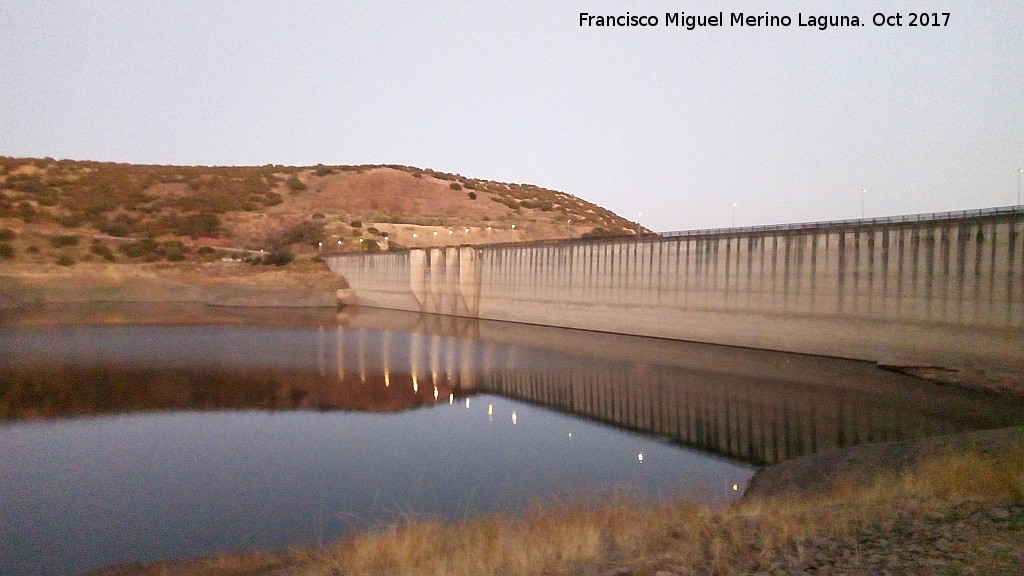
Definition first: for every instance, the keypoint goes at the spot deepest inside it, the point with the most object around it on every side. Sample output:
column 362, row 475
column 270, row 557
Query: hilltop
column 66, row 212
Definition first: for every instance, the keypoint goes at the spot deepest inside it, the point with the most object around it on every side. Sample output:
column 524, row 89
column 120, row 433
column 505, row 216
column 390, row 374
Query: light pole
column 863, row 195
column 319, row 247
column 734, row 214
column 567, row 223
column 1019, row 172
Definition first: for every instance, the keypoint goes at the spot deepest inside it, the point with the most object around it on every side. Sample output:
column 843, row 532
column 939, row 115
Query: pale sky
column 789, row 123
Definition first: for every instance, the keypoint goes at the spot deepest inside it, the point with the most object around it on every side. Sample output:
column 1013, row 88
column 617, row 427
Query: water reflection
column 759, row 407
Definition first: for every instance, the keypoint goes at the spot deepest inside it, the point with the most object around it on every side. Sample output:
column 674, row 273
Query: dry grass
column 679, row 535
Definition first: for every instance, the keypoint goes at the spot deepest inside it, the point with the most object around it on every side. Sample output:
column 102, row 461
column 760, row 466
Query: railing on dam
column 853, row 223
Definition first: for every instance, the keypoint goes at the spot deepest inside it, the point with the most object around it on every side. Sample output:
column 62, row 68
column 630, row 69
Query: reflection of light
column 514, row 418
column 415, row 384
column 640, row 456
column 435, row 392
column 467, row 402
column 387, row 379
column 735, row 487
column 451, row 399
column 570, row 434
column 490, row 412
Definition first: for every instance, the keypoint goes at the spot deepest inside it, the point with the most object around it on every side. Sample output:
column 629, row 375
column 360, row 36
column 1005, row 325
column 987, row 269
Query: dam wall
column 941, row 288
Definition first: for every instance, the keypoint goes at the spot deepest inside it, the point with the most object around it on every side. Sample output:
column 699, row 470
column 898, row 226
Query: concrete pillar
column 418, row 277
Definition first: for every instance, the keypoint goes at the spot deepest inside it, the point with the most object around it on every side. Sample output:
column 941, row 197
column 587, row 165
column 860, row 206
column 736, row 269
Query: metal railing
column 654, row 236
column 929, row 217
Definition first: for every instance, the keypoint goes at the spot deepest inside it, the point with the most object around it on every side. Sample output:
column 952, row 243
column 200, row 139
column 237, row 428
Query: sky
column 679, row 129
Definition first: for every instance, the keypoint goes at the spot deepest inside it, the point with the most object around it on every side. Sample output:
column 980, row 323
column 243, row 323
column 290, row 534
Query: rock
column 999, row 514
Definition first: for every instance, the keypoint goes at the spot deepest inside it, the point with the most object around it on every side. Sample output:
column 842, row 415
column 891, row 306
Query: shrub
column 318, row 216
column 116, row 228
column 455, row 186
column 279, row 258
column 102, row 251
column 472, row 195
column 322, row 170
column 70, row 220
column 62, row 241
column 295, row 184
column 197, row 225
column 356, row 224
column 370, row 245
column 304, row 232
column 373, row 230
column 6, row 251
column 6, row 234
column 65, row 260
column 143, row 247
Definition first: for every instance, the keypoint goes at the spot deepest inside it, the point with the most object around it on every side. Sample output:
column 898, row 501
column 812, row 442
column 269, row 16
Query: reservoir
column 146, row 433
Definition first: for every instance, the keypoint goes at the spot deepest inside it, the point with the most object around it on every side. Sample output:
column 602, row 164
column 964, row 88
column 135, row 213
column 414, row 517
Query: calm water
column 184, row 431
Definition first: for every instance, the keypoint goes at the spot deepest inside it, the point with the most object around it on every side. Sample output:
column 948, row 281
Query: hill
column 65, row 211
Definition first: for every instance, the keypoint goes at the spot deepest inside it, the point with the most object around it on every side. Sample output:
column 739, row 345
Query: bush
column 63, row 241
column 373, row 230
column 197, row 225
column 279, row 258
column 318, row 216
column 356, row 223
column 472, row 195
column 455, row 186
column 102, row 251
column 143, row 247
column 6, row 251
column 295, row 184
column 70, row 220
column 65, row 260
column 6, row 234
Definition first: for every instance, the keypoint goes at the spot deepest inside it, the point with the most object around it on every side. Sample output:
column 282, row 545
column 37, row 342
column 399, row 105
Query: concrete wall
column 948, row 289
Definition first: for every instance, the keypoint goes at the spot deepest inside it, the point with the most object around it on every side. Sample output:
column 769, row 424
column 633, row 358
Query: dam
column 931, row 288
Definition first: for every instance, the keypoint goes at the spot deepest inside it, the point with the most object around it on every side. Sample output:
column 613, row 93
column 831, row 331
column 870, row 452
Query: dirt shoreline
column 215, row 284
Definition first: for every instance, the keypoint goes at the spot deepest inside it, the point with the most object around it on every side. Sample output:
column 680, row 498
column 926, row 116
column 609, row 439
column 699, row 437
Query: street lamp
column 863, row 195
column 319, row 247
column 1019, row 172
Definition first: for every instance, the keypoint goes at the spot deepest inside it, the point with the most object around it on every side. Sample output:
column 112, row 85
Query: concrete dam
column 937, row 288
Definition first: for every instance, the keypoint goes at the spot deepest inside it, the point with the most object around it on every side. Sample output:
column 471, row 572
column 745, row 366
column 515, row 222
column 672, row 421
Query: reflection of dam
column 749, row 421
column 761, row 418
column 753, row 405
